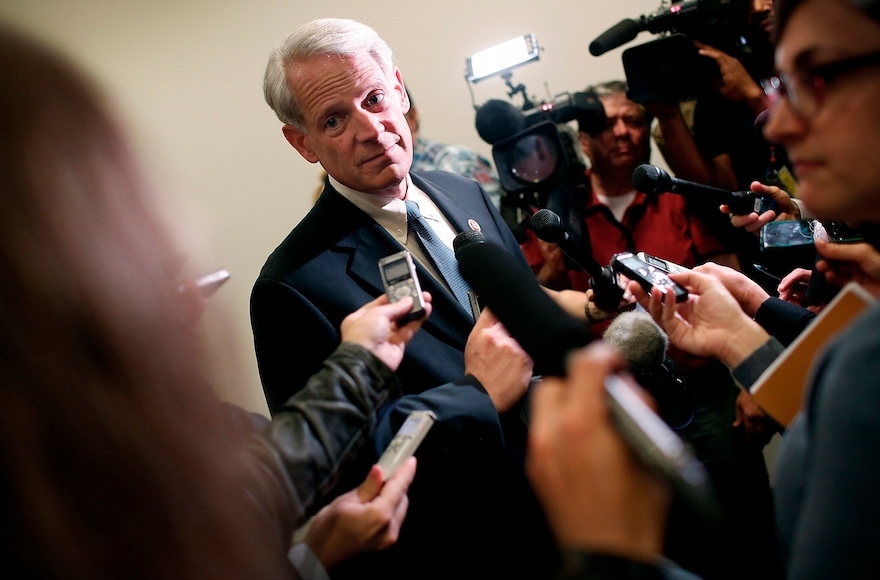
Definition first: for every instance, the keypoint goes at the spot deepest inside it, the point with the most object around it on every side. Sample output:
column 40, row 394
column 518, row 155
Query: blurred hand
column 786, row 209
column 497, row 361
column 736, row 83
column 759, row 427
column 844, row 263
column 374, row 326
column 709, row 323
column 554, row 272
column 747, row 292
column 596, row 494
column 365, row 519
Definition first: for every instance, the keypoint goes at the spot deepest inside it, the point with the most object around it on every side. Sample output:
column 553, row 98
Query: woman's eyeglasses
column 805, row 90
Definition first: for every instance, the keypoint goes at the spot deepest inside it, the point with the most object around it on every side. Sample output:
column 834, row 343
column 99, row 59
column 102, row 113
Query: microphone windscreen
column 465, row 238
column 639, row 339
column 509, row 289
column 617, row 35
column 497, row 120
column 547, row 225
column 651, row 179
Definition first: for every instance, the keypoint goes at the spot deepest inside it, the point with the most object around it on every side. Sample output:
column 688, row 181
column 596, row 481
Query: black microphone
column 548, row 334
column 465, row 238
column 652, row 180
column 497, row 120
column 617, row 35
column 460, row 241
column 547, row 225
column 626, row 30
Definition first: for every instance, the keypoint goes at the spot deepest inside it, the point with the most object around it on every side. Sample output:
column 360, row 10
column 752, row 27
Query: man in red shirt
column 617, row 217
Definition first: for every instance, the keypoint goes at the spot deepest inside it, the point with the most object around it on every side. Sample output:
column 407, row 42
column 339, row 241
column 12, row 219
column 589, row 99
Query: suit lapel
column 366, row 242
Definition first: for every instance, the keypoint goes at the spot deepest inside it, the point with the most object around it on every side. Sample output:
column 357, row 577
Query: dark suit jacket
column 470, row 499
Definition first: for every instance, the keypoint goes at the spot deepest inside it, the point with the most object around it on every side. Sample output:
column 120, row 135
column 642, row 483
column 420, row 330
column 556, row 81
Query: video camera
column 670, row 68
column 539, row 164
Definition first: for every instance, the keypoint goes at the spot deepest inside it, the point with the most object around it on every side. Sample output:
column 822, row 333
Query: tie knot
column 412, row 209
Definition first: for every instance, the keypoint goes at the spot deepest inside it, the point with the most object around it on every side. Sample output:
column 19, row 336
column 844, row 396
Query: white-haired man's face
column 353, row 115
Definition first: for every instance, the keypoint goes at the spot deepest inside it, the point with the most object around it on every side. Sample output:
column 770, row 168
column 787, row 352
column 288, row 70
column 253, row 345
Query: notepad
column 779, row 391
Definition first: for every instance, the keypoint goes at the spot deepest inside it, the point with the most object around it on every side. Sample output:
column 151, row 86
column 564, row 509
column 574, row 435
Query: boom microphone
column 548, row 334
column 617, row 35
column 652, row 180
column 547, row 225
column 626, row 30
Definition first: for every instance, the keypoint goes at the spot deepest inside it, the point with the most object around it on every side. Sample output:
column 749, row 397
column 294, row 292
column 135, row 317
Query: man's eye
column 332, row 122
column 375, row 99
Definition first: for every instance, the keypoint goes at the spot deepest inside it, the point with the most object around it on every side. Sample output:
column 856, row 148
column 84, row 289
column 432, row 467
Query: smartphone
column 841, row 233
column 648, row 276
column 665, row 265
column 800, row 286
column 786, row 234
column 406, row 441
column 399, row 277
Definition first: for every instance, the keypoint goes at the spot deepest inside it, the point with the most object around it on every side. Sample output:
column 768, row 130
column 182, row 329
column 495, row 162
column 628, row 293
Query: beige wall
column 186, row 75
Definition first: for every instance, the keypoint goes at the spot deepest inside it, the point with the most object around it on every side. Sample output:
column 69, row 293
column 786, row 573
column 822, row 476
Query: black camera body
column 539, row 165
column 540, row 154
column 670, row 68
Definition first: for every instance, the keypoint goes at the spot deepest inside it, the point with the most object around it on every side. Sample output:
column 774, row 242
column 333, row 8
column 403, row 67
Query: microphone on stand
column 547, row 225
column 651, row 179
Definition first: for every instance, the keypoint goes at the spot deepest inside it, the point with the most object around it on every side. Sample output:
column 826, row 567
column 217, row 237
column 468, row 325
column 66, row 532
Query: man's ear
column 298, row 140
column 584, row 140
column 398, row 86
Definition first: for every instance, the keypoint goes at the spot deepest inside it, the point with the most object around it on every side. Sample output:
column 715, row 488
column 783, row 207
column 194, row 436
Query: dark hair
column 114, row 456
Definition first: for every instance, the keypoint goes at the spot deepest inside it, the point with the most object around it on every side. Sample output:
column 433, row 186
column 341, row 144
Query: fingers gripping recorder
column 648, row 276
column 398, row 273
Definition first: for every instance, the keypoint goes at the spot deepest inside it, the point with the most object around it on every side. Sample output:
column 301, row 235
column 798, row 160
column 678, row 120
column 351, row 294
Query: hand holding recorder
column 377, row 327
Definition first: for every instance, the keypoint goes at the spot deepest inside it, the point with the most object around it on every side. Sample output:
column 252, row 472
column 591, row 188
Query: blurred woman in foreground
column 116, row 459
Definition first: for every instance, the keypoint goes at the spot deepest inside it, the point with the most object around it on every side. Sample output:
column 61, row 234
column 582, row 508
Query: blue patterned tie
column 439, row 254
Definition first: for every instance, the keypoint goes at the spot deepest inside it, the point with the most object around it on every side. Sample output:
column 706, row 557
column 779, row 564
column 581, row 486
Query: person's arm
column 682, row 154
column 736, row 83
column 318, row 431
column 598, row 498
column 365, row 519
column 827, row 475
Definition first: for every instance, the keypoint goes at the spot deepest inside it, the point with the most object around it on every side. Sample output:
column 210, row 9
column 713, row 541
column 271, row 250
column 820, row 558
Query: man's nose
column 620, row 129
column 369, row 126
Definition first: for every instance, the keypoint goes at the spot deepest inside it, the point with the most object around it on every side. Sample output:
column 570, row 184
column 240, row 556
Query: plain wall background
column 186, row 76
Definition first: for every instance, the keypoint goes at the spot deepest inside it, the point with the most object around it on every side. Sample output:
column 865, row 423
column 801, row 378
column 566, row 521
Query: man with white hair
column 342, row 101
